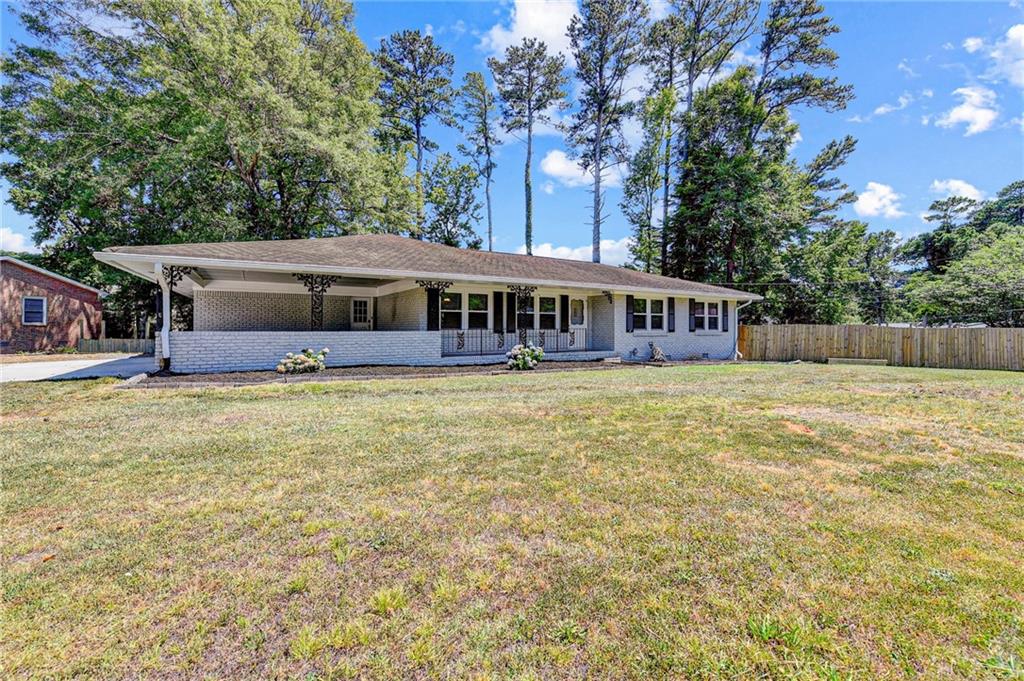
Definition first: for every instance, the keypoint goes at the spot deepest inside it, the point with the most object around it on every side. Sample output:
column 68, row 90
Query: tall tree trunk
column 596, row 242
column 529, row 185
column 730, row 256
column 666, row 168
column 421, row 218
column 487, row 195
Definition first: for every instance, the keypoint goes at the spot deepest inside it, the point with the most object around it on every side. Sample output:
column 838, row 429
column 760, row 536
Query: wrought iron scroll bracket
column 437, row 285
column 523, row 293
column 173, row 274
column 317, row 285
column 609, row 296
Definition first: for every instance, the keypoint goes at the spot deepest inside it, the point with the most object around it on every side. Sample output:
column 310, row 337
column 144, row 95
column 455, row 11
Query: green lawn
column 779, row 521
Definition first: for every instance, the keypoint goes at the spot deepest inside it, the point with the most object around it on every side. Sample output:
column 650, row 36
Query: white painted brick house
column 383, row 299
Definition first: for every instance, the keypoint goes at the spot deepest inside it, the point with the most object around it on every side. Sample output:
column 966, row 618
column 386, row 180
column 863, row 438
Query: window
column 477, row 311
column 577, row 310
column 524, row 319
column 547, row 315
column 705, row 316
column 33, row 310
column 451, row 311
column 657, row 314
column 639, row 313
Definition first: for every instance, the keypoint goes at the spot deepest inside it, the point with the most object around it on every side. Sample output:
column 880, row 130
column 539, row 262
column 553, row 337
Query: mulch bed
column 242, row 378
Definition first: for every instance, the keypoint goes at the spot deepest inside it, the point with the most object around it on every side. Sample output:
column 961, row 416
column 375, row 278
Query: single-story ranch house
column 383, row 299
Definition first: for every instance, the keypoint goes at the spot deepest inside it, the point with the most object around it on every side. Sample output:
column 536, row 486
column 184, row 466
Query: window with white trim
column 33, row 310
column 649, row 314
column 547, row 313
column 477, row 313
column 705, row 316
column 451, row 310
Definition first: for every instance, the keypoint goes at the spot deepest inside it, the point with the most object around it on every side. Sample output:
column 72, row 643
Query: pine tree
column 416, row 86
column 607, row 38
column 530, row 82
column 478, row 117
column 450, row 192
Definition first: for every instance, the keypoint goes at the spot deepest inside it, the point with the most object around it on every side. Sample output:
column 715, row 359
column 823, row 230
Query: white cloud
column 428, row 30
column 548, row 187
column 904, row 68
column 928, row 93
column 973, row 44
column 948, row 46
column 557, row 164
column 954, row 187
column 546, row 20
column 977, row 109
column 1008, row 57
column 926, row 119
column 902, row 103
column 613, row 252
column 15, row 241
column 878, row 199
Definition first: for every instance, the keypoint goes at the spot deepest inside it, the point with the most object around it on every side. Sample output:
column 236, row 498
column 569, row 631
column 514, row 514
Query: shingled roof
column 402, row 257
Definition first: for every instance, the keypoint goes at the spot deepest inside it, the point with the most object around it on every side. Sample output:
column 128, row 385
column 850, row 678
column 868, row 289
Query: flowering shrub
column 523, row 357
column 305, row 362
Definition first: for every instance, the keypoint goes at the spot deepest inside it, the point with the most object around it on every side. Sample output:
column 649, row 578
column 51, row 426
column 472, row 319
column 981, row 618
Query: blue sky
column 939, row 93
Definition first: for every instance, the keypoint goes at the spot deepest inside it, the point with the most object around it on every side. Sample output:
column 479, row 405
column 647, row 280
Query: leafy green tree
column 879, row 299
column 949, row 241
column 451, row 203
column 640, row 189
column 607, row 38
column 479, row 117
column 986, row 285
column 416, row 86
column 530, row 82
column 199, row 121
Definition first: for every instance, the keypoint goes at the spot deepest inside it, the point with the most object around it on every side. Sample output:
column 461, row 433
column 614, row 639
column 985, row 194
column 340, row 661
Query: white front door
column 361, row 318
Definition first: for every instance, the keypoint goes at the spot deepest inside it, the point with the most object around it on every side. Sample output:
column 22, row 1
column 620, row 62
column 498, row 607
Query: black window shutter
column 433, row 309
column 510, row 312
column 725, row 315
column 499, row 311
column 629, row 314
column 671, row 314
column 693, row 315
column 563, row 316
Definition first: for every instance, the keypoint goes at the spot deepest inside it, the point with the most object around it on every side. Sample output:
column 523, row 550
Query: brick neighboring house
column 41, row 310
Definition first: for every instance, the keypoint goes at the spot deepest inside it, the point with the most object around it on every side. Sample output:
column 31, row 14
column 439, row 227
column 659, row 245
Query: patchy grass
column 713, row 521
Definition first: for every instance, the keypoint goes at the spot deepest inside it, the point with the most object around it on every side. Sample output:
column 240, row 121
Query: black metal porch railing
column 488, row 342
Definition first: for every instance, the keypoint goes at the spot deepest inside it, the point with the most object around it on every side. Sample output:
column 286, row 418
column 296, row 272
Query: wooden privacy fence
column 142, row 346
column 913, row 347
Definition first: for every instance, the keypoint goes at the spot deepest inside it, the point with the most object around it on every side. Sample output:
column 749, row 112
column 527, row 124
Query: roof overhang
column 142, row 265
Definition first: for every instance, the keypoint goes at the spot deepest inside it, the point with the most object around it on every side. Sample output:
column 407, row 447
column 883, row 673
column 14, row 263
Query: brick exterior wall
column 405, row 311
column 72, row 312
column 679, row 345
column 257, row 311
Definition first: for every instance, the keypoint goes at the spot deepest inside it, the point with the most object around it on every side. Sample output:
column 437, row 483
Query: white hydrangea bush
column 306, row 362
column 524, row 357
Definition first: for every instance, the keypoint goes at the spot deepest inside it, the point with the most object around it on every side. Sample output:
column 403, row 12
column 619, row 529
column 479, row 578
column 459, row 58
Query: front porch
column 456, row 342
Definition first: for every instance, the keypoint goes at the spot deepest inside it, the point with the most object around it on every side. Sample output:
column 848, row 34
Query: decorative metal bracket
column 173, row 274
column 572, row 338
column 460, row 339
column 436, row 285
column 523, row 293
column 317, row 285
column 609, row 296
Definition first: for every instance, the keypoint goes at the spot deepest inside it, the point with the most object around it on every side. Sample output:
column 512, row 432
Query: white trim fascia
column 54, row 275
column 111, row 258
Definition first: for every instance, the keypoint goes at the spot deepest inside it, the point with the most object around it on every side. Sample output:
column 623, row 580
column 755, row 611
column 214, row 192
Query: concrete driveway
column 122, row 366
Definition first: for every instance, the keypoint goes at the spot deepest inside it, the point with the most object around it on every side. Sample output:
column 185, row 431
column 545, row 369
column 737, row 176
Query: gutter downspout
column 736, row 354
column 165, row 317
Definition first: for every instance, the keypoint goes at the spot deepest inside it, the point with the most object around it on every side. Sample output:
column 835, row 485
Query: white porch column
column 165, row 316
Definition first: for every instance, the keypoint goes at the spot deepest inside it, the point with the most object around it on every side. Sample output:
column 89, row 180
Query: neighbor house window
column 705, row 316
column 33, row 310
column 451, row 311
column 477, row 311
column 649, row 314
column 547, row 313
column 577, row 312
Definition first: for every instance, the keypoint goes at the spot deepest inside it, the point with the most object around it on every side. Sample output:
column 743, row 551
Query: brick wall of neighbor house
column 72, row 312
column 257, row 311
column 680, row 345
column 404, row 311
